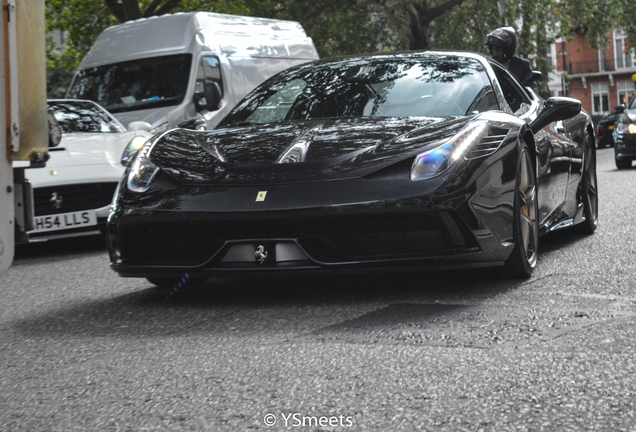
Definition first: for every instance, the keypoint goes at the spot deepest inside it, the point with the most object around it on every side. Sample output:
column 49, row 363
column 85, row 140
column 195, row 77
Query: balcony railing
column 575, row 68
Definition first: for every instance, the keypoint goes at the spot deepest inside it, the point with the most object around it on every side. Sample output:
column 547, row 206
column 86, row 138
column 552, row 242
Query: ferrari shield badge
column 261, row 196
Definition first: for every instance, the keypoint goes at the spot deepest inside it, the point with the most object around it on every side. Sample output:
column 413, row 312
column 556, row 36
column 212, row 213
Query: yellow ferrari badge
column 261, row 196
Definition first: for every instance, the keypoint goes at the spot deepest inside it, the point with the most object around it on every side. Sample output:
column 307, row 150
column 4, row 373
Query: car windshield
column 83, row 117
column 384, row 86
column 134, row 85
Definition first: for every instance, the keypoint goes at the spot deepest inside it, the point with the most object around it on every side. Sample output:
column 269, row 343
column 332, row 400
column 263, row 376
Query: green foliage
column 232, row 7
column 467, row 26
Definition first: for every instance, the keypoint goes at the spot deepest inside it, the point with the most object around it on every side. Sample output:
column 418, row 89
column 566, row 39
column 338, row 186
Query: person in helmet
column 502, row 44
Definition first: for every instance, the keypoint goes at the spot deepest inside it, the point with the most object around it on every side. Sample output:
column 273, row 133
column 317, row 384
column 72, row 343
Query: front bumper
column 325, row 226
column 625, row 147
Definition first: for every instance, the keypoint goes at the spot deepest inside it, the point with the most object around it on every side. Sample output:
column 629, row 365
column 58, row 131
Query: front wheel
column 525, row 224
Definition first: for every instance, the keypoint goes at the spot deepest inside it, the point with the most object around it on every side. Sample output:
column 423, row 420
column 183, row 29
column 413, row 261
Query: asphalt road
column 84, row 350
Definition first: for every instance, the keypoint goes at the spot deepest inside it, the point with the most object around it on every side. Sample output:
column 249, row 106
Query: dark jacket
column 520, row 68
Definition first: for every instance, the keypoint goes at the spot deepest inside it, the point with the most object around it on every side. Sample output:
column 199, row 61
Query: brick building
column 600, row 79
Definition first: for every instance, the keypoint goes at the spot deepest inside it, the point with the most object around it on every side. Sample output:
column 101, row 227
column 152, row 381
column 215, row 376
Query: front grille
column 332, row 239
column 71, row 198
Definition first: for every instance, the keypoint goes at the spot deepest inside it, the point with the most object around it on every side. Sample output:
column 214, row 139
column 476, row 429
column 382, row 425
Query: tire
column 525, row 223
column 623, row 163
column 588, row 191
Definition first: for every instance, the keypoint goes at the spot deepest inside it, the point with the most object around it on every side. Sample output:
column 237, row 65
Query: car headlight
column 131, row 149
column 436, row 161
column 161, row 128
column 142, row 170
column 625, row 128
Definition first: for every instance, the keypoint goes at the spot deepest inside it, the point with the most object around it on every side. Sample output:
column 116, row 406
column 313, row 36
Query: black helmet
column 505, row 38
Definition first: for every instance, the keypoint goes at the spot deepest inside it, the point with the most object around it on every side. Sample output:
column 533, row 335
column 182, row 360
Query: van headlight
column 132, row 148
column 436, row 161
column 142, row 170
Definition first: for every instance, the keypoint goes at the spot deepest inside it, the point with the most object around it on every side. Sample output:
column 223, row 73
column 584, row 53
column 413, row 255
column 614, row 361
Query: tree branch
column 131, row 9
column 389, row 12
column 443, row 8
column 167, row 7
column 116, row 9
column 152, row 7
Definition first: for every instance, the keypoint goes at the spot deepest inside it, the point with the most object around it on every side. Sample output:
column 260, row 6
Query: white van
column 172, row 68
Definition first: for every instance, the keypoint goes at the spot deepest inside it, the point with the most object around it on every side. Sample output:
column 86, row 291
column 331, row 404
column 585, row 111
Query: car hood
column 298, row 151
column 153, row 116
column 82, row 158
column 82, row 149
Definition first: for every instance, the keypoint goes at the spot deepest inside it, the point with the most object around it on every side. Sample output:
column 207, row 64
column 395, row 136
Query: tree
column 414, row 18
column 337, row 27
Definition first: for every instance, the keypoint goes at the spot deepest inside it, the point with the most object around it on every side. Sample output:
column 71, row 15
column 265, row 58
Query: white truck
column 173, row 68
column 23, row 115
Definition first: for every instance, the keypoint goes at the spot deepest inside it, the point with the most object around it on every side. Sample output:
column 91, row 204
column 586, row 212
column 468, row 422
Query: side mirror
column 139, row 126
column 209, row 99
column 555, row 109
column 194, row 124
column 536, row 75
column 55, row 130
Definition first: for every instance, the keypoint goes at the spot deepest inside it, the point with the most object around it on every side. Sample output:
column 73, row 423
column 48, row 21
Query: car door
column 574, row 132
column 552, row 144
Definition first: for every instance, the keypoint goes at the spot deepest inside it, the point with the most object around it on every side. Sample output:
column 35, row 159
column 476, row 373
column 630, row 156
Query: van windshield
column 136, row 84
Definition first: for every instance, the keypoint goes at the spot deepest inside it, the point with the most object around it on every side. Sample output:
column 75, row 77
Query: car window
column 430, row 86
column 83, row 117
column 513, row 92
column 277, row 106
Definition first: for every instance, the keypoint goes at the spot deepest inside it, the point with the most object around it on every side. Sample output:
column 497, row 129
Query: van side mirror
column 555, row 109
column 209, row 99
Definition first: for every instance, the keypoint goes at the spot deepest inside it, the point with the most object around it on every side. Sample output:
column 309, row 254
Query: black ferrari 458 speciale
column 421, row 159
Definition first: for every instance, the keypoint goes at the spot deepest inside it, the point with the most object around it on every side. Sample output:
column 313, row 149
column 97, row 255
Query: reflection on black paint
column 394, row 86
column 336, row 149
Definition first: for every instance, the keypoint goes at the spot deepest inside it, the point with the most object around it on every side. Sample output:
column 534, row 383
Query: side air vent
column 488, row 144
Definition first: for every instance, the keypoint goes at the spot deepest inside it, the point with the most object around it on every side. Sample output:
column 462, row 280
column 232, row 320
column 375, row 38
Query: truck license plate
column 64, row 221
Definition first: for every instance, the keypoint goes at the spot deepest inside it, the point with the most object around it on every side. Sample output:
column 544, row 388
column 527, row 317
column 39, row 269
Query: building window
column 601, row 59
column 624, row 54
column 625, row 91
column 600, row 98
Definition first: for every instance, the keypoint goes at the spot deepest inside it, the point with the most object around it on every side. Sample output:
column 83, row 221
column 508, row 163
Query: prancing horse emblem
column 261, row 254
column 56, row 200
